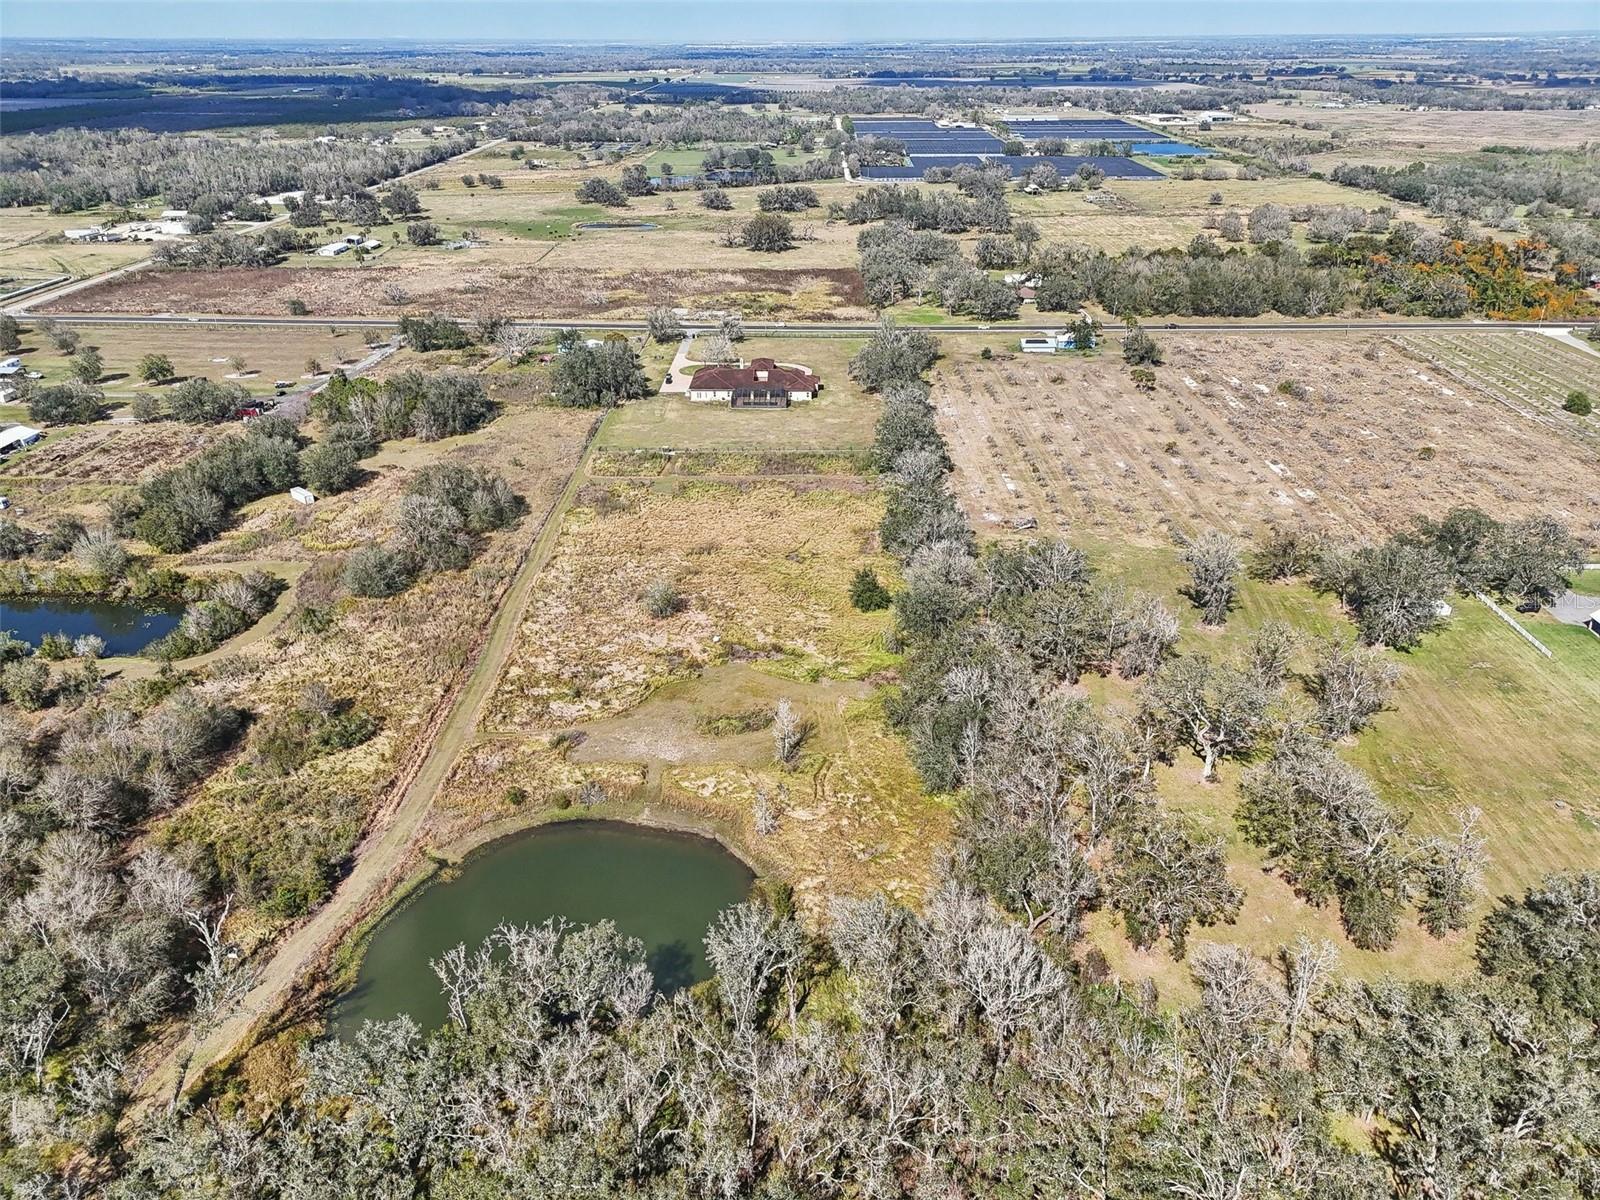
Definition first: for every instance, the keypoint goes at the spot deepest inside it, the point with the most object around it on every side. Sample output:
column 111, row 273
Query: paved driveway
column 1574, row 608
column 680, row 369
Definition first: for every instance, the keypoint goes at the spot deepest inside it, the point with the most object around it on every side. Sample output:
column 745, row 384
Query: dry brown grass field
column 762, row 289
column 397, row 658
column 269, row 354
column 1387, row 136
column 534, row 218
column 1157, row 213
column 763, row 569
column 1242, row 431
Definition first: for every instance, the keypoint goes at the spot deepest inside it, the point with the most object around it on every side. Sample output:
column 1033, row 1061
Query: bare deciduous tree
column 1351, row 683
column 1213, row 561
column 1219, row 710
column 788, row 732
column 1451, row 871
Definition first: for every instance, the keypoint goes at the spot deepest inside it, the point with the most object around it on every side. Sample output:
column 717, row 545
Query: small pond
column 663, row 888
column 638, row 225
column 126, row 628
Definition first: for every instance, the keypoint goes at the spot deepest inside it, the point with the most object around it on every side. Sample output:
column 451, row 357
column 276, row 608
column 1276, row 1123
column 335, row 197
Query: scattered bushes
column 446, row 510
column 787, row 199
column 433, row 332
column 230, row 608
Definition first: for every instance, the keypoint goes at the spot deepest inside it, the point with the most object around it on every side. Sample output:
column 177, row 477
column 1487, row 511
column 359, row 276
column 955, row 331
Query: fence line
column 1515, row 624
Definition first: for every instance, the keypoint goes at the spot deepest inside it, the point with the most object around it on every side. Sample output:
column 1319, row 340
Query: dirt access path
column 386, row 853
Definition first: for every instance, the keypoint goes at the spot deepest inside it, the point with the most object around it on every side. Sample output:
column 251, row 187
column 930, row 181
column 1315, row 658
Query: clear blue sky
column 776, row 20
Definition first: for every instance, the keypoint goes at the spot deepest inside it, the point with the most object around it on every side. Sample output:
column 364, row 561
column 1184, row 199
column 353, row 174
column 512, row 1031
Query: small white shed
column 302, row 495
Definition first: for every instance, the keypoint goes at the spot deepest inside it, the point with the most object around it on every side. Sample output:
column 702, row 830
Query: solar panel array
column 1091, row 129
column 1067, row 164
column 930, row 145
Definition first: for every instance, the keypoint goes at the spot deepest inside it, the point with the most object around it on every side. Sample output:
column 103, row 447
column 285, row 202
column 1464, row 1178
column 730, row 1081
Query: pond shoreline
column 347, row 956
column 639, row 849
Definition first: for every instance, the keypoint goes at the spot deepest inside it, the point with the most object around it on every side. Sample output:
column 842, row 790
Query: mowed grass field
column 31, row 246
column 1479, row 719
column 686, row 159
column 840, row 418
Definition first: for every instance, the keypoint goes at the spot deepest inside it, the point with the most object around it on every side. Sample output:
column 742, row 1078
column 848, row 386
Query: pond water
column 663, row 888
column 126, row 628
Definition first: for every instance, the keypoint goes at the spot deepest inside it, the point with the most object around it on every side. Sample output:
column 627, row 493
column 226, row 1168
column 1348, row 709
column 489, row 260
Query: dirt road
column 386, row 854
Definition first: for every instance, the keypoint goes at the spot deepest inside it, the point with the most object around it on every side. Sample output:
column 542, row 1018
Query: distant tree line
column 74, row 169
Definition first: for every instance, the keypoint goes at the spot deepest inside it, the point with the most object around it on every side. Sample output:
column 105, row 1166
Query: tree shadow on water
column 671, row 966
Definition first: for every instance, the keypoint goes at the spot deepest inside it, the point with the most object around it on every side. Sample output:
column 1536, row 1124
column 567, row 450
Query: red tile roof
column 730, row 379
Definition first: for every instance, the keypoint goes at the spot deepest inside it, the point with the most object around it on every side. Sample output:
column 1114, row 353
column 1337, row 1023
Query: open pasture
column 32, row 248
column 535, row 218
column 671, row 708
column 269, row 354
column 1170, row 211
column 763, row 569
column 1239, row 432
column 1389, row 136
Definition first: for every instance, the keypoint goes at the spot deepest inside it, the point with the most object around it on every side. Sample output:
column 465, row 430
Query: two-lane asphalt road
column 824, row 328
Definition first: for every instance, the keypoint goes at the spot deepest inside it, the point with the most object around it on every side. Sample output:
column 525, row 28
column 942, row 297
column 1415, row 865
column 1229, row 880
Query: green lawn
column 551, row 225
column 840, row 418
column 1479, row 719
column 686, row 160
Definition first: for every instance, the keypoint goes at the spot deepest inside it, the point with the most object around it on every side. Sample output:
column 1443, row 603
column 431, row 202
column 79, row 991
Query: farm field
column 269, row 354
column 1240, row 432
column 840, row 418
column 1394, row 137
column 31, row 246
column 464, row 288
column 115, row 455
column 1528, row 370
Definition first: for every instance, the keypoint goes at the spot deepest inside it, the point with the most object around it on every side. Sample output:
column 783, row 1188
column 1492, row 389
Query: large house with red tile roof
column 762, row 384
